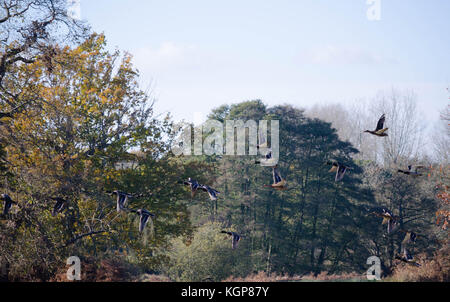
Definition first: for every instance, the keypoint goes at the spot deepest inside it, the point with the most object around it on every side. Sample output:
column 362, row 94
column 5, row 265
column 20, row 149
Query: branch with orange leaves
column 443, row 215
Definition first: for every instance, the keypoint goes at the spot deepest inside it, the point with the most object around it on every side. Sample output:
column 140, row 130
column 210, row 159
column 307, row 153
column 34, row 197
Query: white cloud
column 332, row 54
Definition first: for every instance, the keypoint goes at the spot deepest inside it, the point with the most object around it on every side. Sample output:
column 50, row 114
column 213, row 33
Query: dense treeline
column 74, row 124
column 317, row 224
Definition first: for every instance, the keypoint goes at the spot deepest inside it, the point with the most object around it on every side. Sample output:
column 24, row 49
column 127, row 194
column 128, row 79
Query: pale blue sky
column 201, row 54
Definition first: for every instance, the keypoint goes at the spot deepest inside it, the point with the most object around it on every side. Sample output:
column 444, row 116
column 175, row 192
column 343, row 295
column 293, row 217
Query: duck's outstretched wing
column 406, row 254
column 8, row 203
column 413, row 237
column 144, row 217
column 59, row 206
column 235, row 242
column 7, row 207
column 276, row 175
column 407, row 172
column 122, row 199
column 340, row 172
column 409, row 237
column 262, row 140
column 418, row 168
column 392, row 225
column 211, row 192
column 380, row 123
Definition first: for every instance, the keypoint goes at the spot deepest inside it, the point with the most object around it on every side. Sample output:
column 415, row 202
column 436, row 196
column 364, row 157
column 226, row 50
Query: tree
column 94, row 118
column 442, row 145
column 401, row 147
column 29, row 31
column 350, row 122
column 314, row 224
column 405, row 126
column 441, row 138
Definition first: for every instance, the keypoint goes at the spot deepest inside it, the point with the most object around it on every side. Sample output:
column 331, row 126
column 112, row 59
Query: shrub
column 208, row 257
column 112, row 269
column 436, row 269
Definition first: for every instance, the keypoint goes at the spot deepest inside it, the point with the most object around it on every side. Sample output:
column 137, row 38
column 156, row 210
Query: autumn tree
column 29, row 31
column 94, row 132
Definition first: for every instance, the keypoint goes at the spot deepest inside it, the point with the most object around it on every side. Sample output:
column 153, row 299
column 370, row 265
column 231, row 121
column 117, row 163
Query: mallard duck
column 407, row 257
column 8, row 203
column 144, row 216
column 211, row 192
column 193, row 184
column 383, row 212
column 122, row 199
column 339, row 168
column 262, row 144
column 388, row 218
column 379, row 131
column 235, row 238
column 410, row 170
column 59, row 206
column 278, row 182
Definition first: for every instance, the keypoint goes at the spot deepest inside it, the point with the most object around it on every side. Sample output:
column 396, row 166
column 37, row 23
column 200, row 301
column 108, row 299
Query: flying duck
column 278, row 182
column 339, row 168
column 122, row 199
column 388, row 218
column 193, row 184
column 379, row 131
column 407, row 257
column 392, row 224
column 144, row 216
column 268, row 158
column 59, row 206
column 235, row 238
column 410, row 170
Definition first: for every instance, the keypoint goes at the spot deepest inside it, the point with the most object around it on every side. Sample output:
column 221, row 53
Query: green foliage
column 208, row 256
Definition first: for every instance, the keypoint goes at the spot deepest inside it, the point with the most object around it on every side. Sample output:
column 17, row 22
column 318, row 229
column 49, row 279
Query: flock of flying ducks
column 278, row 184
column 392, row 222
column 194, row 186
column 389, row 218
